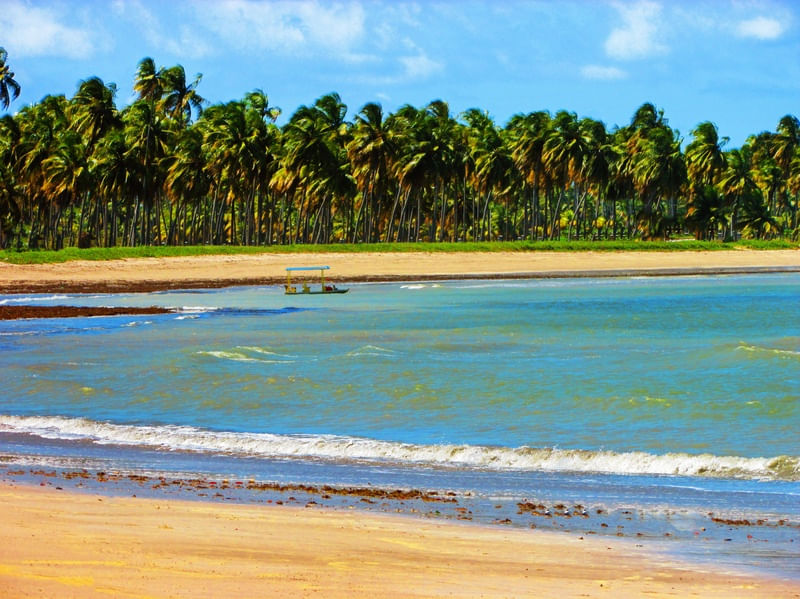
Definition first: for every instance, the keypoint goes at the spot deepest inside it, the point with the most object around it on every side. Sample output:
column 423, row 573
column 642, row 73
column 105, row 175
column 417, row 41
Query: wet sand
column 59, row 543
column 151, row 274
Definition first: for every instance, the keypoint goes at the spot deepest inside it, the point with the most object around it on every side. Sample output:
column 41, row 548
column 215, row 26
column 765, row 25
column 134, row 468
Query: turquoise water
column 617, row 391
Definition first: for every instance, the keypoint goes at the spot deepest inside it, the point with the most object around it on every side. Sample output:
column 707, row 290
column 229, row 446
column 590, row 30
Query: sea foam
column 356, row 449
column 28, row 299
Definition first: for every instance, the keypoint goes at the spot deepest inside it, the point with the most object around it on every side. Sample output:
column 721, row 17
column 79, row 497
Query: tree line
column 171, row 169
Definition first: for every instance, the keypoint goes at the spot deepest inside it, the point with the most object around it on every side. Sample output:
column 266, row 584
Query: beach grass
column 118, row 253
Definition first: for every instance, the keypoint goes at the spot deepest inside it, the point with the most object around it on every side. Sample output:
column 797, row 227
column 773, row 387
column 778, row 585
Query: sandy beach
column 65, row 544
column 151, row 274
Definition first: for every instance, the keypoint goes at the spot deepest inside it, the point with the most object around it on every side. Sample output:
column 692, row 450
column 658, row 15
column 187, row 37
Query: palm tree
column 705, row 212
column 737, row 182
column 565, row 150
column 226, row 145
column 149, row 84
column 704, row 155
column 264, row 140
column 528, row 135
column 187, row 181
column 10, row 194
column 118, row 178
column 166, row 170
column 786, row 145
column 179, row 98
column 315, row 159
column 597, row 168
column 493, row 166
column 94, row 112
column 7, row 82
column 94, row 115
column 647, row 117
column 239, row 148
column 758, row 213
column 68, row 180
column 42, row 127
column 442, row 128
column 704, row 161
column 649, row 172
column 424, row 164
column 786, row 142
column 258, row 102
column 149, row 81
column 408, row 169
column 371, row 151
column 146, row 135
column 659, row 172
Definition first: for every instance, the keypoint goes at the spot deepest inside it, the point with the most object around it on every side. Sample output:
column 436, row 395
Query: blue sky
column 734, row 62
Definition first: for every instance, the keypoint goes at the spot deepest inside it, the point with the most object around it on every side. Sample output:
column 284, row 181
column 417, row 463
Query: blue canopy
column 308, row 268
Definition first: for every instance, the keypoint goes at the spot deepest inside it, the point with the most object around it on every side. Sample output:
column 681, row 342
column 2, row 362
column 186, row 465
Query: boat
column 305, row 288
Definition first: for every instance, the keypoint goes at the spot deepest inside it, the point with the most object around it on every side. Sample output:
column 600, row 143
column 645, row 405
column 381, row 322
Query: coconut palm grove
column 169, row 169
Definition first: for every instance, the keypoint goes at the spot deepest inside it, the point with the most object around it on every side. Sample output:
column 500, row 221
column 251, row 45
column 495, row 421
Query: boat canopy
column 323, row 288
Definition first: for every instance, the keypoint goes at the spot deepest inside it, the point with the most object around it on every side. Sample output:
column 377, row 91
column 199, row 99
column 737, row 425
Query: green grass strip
column 118, row 253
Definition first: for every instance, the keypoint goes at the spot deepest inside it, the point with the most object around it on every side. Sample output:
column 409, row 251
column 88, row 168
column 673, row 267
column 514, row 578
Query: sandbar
column 24, row 311
column 151, row 274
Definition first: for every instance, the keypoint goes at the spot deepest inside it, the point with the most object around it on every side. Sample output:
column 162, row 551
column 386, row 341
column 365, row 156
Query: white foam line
column 193, row 309
column 26, row 299
column 186, row 438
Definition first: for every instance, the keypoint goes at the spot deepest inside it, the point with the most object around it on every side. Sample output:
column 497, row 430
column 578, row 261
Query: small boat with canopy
column 306, row 289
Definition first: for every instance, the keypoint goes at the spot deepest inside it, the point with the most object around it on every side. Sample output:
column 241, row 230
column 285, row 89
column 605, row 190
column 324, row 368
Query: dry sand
column 66, row 544
column 212, row 271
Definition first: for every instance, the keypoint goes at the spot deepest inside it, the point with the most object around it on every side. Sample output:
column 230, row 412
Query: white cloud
column 761, row 28
column 638, row 36
column 33, row 31
column 181, row 42
column 593, row 71
column 358, row 58
column 419, row 66
column 284, row 26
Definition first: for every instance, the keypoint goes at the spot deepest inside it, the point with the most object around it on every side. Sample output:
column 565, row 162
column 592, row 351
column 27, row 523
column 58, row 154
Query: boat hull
column 334, row 291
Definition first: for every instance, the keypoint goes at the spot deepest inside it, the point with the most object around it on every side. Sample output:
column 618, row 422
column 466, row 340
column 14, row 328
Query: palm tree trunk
column 220, row 227
column 547, row 230
column 271, row 218
column 390, row 224
column 443, row 213
column 401, row 225
column 484, row 229
column 557, row 215
column 233, row 221
column 259, row 217
column 535, row 210
column 419, row 211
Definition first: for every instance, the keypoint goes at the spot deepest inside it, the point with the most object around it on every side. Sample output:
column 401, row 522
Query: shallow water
column 670, row 397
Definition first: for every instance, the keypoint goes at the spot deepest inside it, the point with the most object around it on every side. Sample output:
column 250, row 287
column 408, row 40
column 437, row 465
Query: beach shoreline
column 63, row 542
column 159, row 274
column 65, row 539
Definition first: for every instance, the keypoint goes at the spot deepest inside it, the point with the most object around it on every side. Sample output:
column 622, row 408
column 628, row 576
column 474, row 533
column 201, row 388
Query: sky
column 733, row 62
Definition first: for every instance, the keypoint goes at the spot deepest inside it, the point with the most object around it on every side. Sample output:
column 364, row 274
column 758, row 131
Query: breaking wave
column 244, row 353
column 28, row 299
column 371, row 350
column 755, row 349
column 349, row 449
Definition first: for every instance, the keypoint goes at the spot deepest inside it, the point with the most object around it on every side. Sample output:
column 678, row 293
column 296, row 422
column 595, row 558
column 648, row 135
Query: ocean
column 664, row 410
